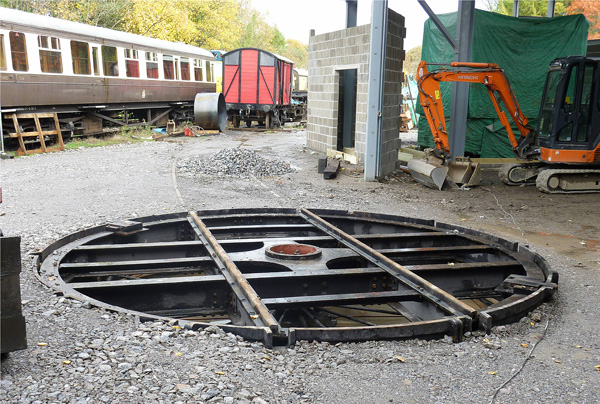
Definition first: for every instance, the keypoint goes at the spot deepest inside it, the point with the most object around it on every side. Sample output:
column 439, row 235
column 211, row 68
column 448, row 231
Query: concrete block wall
column 328, row 55
column 333, row 52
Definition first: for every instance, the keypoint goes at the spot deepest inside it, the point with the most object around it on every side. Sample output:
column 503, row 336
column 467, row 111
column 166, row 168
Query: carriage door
column 95, row 60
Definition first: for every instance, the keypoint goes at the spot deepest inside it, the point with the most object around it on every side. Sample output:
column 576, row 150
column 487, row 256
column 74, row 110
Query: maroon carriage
column 257, row 86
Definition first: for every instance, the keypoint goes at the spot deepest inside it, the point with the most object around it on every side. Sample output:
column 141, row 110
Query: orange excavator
column 561, row 155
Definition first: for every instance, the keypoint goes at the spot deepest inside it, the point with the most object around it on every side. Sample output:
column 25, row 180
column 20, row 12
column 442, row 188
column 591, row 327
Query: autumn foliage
column 538, row 8
column 591, row 10
column 210, row 24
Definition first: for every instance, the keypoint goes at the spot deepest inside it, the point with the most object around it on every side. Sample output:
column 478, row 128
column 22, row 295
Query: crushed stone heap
column 236, row 162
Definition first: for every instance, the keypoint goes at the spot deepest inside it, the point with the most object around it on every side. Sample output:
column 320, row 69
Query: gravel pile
column 236, row 162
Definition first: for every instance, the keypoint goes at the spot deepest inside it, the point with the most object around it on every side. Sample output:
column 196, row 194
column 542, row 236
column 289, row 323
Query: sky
column 295, row 18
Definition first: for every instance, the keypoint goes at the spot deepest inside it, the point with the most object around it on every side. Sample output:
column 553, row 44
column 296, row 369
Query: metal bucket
column 430, row 175
column 12, row 335
column 464, row 173
column 210, row 112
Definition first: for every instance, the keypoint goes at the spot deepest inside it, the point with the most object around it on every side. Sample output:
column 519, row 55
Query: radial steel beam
column 429, row 291
column 342, row 298
column 246, row 296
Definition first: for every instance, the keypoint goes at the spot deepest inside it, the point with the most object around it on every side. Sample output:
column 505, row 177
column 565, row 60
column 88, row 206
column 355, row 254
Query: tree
column 297, row 52
column 538, row 8
column 103, row 13
column 256, row 32
column 217, row 23
column 530, row 8
column 591, row 10
column 278, row 41
column 162, row 19
column 412, row 59
column 210, row 24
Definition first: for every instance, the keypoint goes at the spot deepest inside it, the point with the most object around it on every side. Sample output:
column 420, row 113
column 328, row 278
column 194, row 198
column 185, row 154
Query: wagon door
column 267, row 80
column 249, row 76
column 286, row 82
column 231, row 77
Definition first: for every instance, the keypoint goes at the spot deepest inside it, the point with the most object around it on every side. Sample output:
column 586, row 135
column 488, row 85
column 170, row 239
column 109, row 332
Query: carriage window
column 81, row 57
column 50, row 55
column 185, row 69
column 151, row 65
column 18, row 50
column 209, row 72
column 132, row 64
column 110, row 64
column 198, row 70
column 2, row 56
column 168, row 67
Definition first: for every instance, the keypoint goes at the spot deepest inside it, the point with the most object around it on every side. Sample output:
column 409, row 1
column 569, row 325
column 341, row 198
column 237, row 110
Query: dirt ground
column 50, row 196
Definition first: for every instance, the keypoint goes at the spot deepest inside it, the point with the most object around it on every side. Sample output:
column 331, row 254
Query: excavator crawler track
column 519, row 173
column 569, row 181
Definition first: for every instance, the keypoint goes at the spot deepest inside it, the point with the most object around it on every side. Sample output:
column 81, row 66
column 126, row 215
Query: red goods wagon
column 257, row 86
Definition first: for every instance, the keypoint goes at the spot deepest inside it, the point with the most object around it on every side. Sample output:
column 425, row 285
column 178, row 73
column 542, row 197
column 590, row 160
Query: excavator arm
column 499, row 90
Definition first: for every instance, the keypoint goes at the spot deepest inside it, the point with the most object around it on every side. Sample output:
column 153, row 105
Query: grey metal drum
column 210, row 112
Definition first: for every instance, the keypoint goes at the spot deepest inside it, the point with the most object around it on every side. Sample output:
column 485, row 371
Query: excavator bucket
column 464, row 173
column 430, row 175
column 454, row 174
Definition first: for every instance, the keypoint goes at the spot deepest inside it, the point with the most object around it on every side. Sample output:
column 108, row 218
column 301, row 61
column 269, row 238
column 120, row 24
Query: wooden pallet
column 39, row 133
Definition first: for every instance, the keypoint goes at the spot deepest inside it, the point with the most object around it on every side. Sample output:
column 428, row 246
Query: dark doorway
column 346, row 109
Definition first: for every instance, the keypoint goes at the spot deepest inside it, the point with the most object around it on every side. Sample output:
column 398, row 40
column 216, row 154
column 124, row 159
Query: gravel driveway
column 81, row 354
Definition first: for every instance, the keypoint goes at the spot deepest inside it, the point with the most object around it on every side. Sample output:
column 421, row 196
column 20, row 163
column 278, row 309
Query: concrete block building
column 340, row 57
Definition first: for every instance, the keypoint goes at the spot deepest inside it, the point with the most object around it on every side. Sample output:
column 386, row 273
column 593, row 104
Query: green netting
column 523, row 47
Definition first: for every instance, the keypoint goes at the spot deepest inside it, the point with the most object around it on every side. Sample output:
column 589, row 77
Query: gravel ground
column 81, row 354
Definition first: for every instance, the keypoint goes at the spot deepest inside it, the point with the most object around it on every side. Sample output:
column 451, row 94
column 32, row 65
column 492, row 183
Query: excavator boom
column 499, row 90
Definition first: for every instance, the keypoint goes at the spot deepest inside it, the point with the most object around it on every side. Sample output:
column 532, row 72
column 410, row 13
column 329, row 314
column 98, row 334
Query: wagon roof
column 283, row 58
column 15, row 19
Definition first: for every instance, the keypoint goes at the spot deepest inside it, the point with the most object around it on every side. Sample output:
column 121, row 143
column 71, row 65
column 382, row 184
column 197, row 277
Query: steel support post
column 349, row 84
column 551, row 7
column 516, row 4
column 379, row 15
column 460, row 91
column 351, row 13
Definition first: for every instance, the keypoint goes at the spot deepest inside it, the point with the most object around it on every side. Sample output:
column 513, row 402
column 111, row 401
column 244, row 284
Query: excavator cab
column 569, row 121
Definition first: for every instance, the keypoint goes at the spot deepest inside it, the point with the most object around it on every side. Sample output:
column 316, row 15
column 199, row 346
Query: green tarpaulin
column 523, row 47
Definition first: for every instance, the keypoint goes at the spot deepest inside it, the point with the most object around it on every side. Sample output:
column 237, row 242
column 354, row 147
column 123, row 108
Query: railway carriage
column 93, row 77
